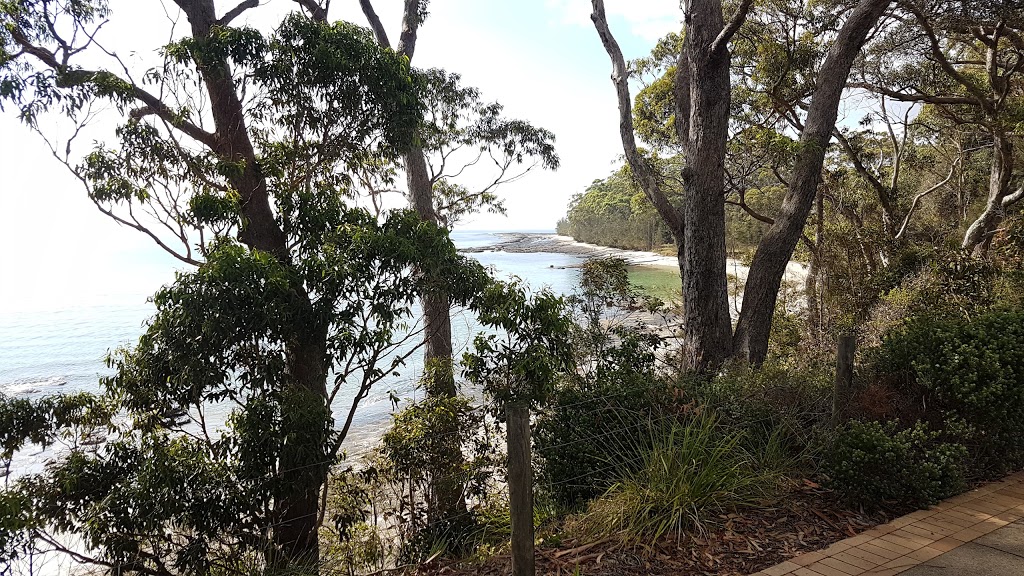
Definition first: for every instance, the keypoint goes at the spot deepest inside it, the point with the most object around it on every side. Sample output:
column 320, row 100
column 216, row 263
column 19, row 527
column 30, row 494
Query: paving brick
column 920, row 515
column 936, row 531
column 807, row 558
column 921, row 537
column 901, row 562
column 859, row 539
column 909, row 542
column 1011, row 515
column 914, row 538
column 946, row 544
column 985, row 506
column 880, row 571
column 838, row 547
column 963, row 498
column 858, row 562
column 968, row 535
column 989, row 524
column 925, row 554
column 883, row 551
column 830, row 571
column 865, row 555
column 840, row 566
column 778, row 570
column 955, row 517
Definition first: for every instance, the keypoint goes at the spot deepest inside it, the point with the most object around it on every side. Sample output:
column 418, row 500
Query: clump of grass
column 687, row 472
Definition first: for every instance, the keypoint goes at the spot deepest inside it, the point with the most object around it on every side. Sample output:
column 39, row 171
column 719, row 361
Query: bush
column 593, row 414
column 966, row 370
column 872, row 463
column 778, row 401
column 687, row 473
column 589, row 427
column 437, row 442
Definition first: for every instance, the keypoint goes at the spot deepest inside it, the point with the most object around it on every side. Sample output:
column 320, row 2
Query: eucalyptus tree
column 702, row 88
column 966, row 62
column 233, row 153
column 458, row 131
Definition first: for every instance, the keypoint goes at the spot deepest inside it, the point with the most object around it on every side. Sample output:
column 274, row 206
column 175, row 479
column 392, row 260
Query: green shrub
column 778, row 401
column 872, row 463
column 687, row 473
column 586, row 427
column 969, row 370
column 437, row 442
column 589, row 427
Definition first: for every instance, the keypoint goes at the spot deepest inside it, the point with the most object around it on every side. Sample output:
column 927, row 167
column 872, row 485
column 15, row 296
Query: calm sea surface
column 61, row 349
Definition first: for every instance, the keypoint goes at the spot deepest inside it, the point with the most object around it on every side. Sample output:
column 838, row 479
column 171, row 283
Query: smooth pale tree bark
column 979, row 234
column 750, row 341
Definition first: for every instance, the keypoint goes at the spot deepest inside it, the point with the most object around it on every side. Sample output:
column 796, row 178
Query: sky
column 541, row 59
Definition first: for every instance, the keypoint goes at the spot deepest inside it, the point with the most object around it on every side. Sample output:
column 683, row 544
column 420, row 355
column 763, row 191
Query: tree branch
column 236, row 11
column 316, row 11
column 411, row 19
column 981, row 99
column 153, row 104
column 731, row 27
column 919, row 197
column 375, row 23
column 642, row 169
column 919, row 97
column 1012, row 199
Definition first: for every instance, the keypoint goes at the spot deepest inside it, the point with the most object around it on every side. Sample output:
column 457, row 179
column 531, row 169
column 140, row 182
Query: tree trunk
column 306, row 421
column 979, row 234
column 707, row 323
column 814, row 317
column 447, row 498
column 306, row 418
column 776, row 247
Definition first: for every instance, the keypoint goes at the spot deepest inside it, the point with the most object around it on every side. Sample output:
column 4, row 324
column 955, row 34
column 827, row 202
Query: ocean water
column 60, row 348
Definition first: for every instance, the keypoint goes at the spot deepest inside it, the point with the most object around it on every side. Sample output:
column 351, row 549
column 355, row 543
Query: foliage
column 590, row 424
column 783, row 402
column 876, row 464
column 457, row 131
column 687, row 472
column 614, row 212
column 614, row 393
column 437, row 441
column 519, row 362
column 219, row 336
column 966, row 370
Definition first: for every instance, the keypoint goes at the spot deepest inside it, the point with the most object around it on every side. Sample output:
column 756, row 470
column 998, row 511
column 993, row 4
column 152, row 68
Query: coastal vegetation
column 613, row 423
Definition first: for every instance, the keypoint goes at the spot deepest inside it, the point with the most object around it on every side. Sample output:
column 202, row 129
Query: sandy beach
column 525, row 242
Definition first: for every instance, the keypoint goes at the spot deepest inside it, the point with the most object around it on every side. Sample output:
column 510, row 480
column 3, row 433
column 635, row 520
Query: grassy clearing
column 658, row 281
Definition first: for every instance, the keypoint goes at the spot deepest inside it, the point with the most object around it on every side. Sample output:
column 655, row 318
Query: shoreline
column 532, row 242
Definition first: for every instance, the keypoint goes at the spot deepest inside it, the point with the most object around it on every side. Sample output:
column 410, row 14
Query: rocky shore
column 525, row 242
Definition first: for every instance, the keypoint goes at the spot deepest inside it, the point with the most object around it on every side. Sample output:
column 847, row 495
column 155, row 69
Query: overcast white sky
column 540, row 58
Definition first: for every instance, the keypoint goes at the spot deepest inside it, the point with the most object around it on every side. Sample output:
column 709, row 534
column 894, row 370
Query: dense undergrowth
column 629, row 450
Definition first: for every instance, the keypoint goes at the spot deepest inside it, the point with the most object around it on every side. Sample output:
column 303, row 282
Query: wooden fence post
column 843, row 393
column 520, row 489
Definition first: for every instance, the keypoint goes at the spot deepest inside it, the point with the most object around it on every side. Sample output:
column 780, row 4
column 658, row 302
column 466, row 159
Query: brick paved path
column 980, row 533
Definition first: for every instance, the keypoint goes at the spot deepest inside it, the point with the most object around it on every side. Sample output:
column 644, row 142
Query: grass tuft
column 686, row 474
